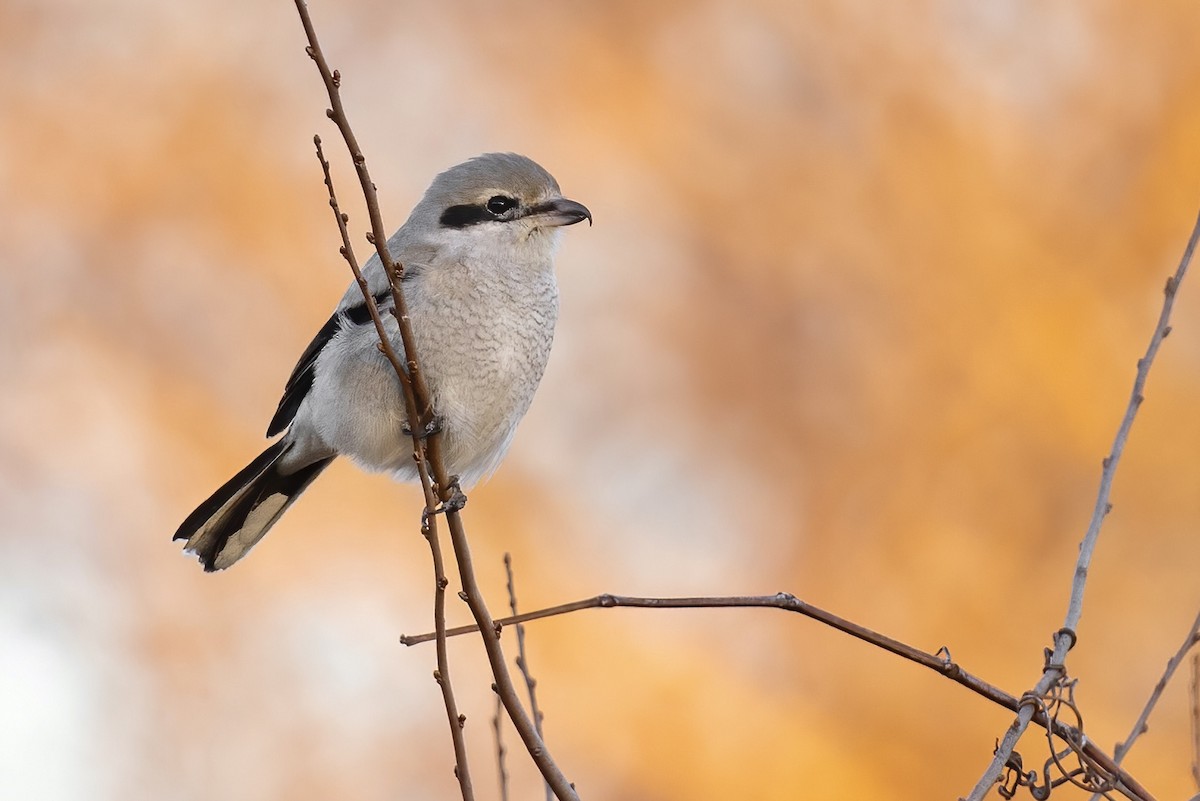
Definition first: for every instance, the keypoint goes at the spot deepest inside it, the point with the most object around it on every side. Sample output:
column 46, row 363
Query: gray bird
column 478, row 256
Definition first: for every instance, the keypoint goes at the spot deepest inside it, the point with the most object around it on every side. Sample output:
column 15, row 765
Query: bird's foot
column 455, row 498
column 431, row 426
column 454, row 501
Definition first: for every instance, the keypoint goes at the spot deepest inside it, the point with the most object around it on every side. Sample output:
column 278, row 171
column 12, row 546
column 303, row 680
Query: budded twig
column 442, row 674
column 441, row 492
column 1064, row 638
column 1141, row 725
column 939, row 662
column 1195, row 699
column 522, row 659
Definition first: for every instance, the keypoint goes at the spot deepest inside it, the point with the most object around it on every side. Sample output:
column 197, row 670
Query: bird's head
column 497, row 199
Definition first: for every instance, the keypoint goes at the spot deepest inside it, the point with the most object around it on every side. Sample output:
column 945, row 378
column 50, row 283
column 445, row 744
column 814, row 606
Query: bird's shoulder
column 414, row 258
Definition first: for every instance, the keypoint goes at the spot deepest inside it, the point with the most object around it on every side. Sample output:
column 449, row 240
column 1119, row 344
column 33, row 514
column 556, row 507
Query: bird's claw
column 454, row 501
column 431, row 426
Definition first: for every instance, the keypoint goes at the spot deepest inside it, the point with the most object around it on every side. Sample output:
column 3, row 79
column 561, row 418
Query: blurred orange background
column 857, row 320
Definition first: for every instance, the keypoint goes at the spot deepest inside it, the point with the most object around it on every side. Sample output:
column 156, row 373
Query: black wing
column 302, row 376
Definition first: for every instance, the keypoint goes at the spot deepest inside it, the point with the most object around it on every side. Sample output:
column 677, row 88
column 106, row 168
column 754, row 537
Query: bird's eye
column 499, row 204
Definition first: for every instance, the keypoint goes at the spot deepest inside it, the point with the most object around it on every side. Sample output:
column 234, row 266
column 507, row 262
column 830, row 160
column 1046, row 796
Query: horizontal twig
column 790, row 603
column 783, row 600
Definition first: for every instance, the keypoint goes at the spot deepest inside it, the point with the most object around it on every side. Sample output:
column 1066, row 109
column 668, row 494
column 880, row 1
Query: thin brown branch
column 347, row 251
column 442, row 674
column 522, row 659
column 428, row 452
column 457, row 720
column 1064, row 639
column 412, row 379
column 790, row 603
column 783, row 600
column 1142, row 724
column 1195, row 699
column 507, row 691
column 497, row 733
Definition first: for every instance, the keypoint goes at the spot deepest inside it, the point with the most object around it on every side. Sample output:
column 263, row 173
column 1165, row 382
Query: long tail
column 227, row 525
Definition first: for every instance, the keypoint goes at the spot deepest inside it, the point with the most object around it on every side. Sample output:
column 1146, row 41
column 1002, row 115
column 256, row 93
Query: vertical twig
column 504, row 686
column 436, row 483
column 1064, row 638
column 497, row 731
column 332, row 81
column 1195, row 698
column 522, row 660
column 442, row 674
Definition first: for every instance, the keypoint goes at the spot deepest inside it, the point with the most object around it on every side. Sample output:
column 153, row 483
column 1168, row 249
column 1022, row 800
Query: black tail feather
column 205, row 511
column 225, row 527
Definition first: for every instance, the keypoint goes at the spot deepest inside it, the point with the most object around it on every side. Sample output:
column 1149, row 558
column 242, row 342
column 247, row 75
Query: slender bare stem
column 498, row 734
column 939, row 662
column 442, row 674
column 504, row 684
column 347, row 251
column 1141, row 725
column 1064, row 638
column 429, row 527
column 522, row 659
column 1195, row 693
column 436, row 482
column 783, row 600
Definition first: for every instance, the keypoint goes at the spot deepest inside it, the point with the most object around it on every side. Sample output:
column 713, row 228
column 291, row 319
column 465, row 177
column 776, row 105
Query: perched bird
column 478, row 256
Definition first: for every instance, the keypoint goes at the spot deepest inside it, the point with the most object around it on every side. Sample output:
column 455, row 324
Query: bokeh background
column 857, row 320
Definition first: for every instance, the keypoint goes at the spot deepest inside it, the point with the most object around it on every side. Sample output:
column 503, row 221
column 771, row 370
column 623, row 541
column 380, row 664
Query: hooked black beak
column 560, row 211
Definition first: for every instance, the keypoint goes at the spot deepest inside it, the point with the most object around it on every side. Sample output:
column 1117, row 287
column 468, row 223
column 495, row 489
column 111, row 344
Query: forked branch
column 1064, row 639
column 442, row 674
column 438, row 486
column 940, row 662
